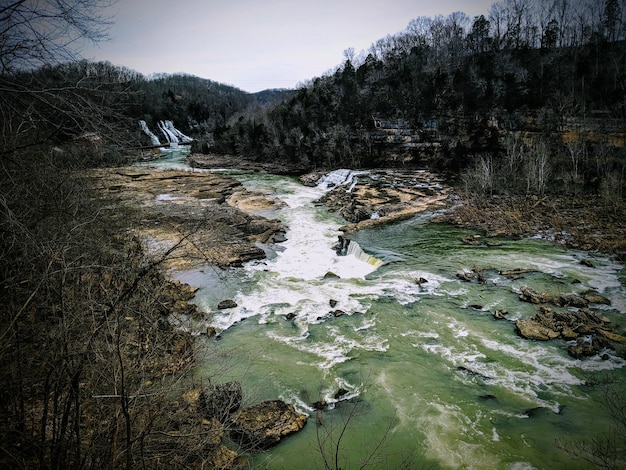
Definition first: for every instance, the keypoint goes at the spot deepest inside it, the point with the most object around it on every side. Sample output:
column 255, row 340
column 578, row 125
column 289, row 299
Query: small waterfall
column 340, row 177
column 347, row 247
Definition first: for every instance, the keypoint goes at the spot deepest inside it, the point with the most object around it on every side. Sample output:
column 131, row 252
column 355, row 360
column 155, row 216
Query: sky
column 256, row 44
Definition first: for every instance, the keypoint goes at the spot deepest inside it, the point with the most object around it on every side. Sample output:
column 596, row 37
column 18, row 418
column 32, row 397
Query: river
column 426, row 375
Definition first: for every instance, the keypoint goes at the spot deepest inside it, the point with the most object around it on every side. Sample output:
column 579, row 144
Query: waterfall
column 149, row 133
column 340, row 177
column 169, row 135
column 347, row 247
column 169, row 125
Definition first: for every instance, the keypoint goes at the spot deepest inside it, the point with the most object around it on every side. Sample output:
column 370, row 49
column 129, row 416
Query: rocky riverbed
column 200, row 217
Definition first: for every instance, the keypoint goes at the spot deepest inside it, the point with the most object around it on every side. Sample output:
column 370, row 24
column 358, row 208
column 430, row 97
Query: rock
column 499, row 314
column 290, row 316
column 571, row 300
column 472, row 373
column 337, row 313
column 465, row 276
column 340, row 393
column 594, row 298
column 264, row 425
column 211, row 331
column 530, row 295
column 612, row 336
column 535, row 412
column 530, row 328
column 587, row 263
column 333, row 303
column 224, row 304
column 488, row 397
column 584, row 348
column 219, row 401
column 330, row 275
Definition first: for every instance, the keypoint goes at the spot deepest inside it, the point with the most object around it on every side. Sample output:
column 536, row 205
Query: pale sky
column 257, row 44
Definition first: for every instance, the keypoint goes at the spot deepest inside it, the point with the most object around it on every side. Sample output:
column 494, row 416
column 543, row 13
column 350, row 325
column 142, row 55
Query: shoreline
column 582, row 223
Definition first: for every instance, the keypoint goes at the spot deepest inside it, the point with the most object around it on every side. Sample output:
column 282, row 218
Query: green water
column 431, row 377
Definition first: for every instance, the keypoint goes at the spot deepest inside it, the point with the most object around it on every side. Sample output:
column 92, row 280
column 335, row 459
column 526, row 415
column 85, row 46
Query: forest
column 527, row 99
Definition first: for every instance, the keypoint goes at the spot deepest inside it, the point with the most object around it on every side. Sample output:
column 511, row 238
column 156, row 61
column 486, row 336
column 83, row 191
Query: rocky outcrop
column 200, row 217
column 578, row 322
column 264, row 425
column 382, row 196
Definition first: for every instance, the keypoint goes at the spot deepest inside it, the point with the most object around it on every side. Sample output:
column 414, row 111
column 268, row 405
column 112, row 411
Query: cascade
column 153, row 138
column 340, row 177
column 413, row 340
column 354, row 249
column 169, row 135
column 169, row 125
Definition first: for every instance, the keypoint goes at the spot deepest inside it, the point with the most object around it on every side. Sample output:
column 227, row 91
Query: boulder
column 530, row 328
column 572, row 300
column 224, row 304
column 528, row 294
column 594, row 298
column 584, row 348
column 219, row 401
column 264, row 425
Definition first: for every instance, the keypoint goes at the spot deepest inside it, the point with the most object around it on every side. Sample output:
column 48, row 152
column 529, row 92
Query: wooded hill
column 532, row 87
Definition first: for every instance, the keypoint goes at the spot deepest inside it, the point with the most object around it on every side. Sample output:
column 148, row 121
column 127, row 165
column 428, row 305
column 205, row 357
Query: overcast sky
column 257, row 44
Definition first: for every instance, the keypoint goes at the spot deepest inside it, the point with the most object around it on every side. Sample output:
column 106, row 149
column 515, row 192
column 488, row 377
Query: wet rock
column 572, row 300
column 499, row 314
column 472, row 373
column 224, row 304
column 611, row 336
column 219, row 401
column 330, row 275
column 333, row 303
column 528, row 294
column 290, row 316
column 584, row 348
column 586, row 262
column 340, row 393
column 465, row 276
column 488, row 397
column 536, row 412
column 530, row 328
column 337, row 313
column 264, row 425
column 594, row 298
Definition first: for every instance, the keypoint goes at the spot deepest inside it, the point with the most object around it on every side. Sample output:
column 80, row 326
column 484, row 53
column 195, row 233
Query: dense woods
column 531, row 94
column 528, row 98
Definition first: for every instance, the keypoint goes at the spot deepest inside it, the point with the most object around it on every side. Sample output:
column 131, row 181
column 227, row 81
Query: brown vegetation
column 585, row 223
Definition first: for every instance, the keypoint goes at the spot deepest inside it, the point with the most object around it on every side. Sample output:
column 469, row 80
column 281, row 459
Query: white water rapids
column 428, row 366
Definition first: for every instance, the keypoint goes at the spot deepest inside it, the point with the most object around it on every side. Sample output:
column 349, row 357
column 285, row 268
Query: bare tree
column 42, row 95
column 48, row 31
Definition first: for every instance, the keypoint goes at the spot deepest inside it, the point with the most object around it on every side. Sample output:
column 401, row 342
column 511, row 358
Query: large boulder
column 264, row 425
column 530, row 328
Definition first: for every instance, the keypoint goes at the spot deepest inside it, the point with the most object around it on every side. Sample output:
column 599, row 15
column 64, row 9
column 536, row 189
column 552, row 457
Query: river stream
column 425, row 374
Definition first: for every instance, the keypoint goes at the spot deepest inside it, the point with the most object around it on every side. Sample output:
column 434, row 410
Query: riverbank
column 203, row 218
column 583, row 223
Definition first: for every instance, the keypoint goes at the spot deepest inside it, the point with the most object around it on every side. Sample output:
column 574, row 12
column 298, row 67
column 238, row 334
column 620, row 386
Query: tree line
column 548, row 72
